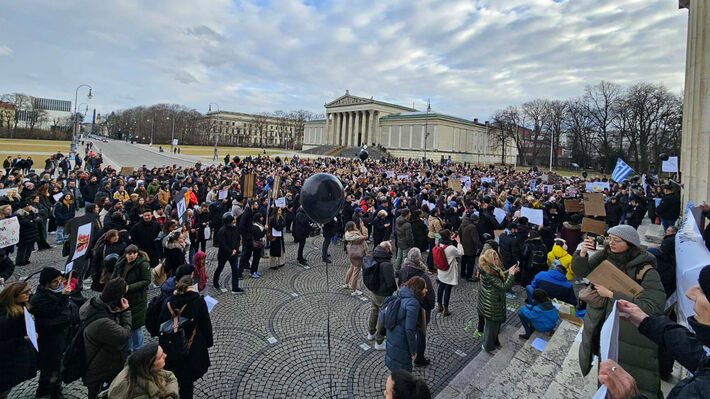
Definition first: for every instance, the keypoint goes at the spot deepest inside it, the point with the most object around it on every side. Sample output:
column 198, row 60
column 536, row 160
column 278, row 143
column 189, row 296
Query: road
column 120, row 153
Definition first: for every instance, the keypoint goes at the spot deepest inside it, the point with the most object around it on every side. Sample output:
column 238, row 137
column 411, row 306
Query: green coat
column 638, row 355
column 491, row 297
column 137, row 276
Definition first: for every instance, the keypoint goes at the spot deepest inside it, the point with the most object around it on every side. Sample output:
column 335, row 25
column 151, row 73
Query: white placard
column 175, row 141
column 487, row 179
column 181, row 209
column 280, row 202
column 671, row 165
column 597, row 186
column 466, row 181
column 691, row 256
column 275, row 233
column 83, row 239
column 609, row 336
column 390, row 174
column 3, row 191
column 403, row 177
column 68, row 268
column 9, row 231
column 211, row 303
column 31, row 330
column 547, row 188
column 223, row 193
column 57, row 196
column 499, row 214
column 207, row 232
column 534, row 215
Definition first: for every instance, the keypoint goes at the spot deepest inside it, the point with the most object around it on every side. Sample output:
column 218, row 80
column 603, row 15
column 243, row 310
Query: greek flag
column 621, row 171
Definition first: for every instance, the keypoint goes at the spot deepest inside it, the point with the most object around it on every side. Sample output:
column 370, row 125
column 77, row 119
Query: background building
column 253, row 130
column 43, row 113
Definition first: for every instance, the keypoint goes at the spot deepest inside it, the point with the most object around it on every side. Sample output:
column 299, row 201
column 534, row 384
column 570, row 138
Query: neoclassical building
column 253, row 130
column 353, row 121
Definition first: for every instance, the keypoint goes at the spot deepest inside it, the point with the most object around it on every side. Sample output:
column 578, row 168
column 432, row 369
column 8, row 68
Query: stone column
column 324, row 137
column 695, row 141
column 348, row 128
column 363, row 132
column 370, row 136
column 376, row 126
column 334, row 138
column 356, row 128
column 338, row 128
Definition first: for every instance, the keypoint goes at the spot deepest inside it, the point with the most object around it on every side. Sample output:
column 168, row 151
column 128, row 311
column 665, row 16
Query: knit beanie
column 184, row 270
column 626, row 233
column 48, row 274
column 113, row 290
column 704, row 281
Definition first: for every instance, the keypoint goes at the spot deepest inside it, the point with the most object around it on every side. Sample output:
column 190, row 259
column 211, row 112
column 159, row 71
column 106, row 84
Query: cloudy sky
column 470, row 57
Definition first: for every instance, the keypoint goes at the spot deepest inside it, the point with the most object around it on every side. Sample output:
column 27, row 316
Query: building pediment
column 348, row 99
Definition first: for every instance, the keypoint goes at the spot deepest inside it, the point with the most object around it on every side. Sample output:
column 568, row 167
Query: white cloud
column 469, row 56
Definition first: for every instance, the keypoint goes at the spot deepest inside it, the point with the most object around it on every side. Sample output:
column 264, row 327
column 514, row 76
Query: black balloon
column 427, row 173
column 322, row 197
column 363, row 155
column 277, row 159
column 286, row 168
column 584, row 174
column 663, row 156
column 236, row 159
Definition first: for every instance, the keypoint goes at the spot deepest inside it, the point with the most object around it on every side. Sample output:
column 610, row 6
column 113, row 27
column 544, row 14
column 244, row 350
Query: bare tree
column 554, row 122
column 579, row 127
column 602, row 103
column 511, row 121
column 536, row 112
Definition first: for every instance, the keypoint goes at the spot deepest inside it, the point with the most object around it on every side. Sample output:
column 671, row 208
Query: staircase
column 520, row 371
column 352, row 152
column 320, row 150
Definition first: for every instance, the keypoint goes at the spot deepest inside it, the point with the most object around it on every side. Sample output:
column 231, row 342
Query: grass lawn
column 16, row 146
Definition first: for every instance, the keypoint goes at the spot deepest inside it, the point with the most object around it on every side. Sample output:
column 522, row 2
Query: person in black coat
column 29, row 232
column 217, row 209
column 487, row 223
column 228, row 239
column 669, row 208
column 666, row 260
column 419, row 231
column 88, row 191
column 330, row 229
column 192, row 367
column 533, row 258
column 54, row 314
column 381, row 227
column 301, row 229
column 277, row 250
column 18, row 362
column 509, row 246
column 7, row 267
column 613, row 212
column 143, row 235
column 202, row 220
column 245, row 221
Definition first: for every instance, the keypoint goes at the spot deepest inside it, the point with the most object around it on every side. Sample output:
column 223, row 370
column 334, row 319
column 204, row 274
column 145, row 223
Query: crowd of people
column 409, row 231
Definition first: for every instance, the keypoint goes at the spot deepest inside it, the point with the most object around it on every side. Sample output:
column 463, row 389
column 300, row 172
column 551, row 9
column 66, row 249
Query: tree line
column 636, row 123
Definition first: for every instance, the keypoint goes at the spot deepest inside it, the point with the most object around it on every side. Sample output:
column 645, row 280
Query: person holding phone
column 491, row 297
column 637, row 354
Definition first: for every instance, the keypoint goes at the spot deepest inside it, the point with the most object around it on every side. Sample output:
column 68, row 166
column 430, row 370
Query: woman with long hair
column 402, row 338
column 145, row 377
column 18, row 361
column 275, row 231
column 258, row 232
column 491, row 297
column 355, row 237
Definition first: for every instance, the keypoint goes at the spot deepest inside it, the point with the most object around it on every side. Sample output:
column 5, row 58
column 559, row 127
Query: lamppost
column 426, row 126
column 552, row 136
column 151, row 130
column 209, row 107
column 172, row 132
column 73, row 146
column 216, row 136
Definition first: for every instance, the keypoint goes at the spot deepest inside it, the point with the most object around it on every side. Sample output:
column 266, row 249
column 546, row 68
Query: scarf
column 67, row 202
column 414, row 260
column 621, row 259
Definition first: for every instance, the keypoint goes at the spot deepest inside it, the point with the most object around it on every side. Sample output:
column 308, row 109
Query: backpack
column 172, row 336
column 152, row 313
column 371, row 273
column 538, row 257
column 73, row 360
column 439, row 257
column 389, row 310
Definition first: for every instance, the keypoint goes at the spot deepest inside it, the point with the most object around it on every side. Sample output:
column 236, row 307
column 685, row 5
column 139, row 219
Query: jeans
column 135, row 341
column 527, row 324
column 374, row 325
column 443, row 293
column 59, row 237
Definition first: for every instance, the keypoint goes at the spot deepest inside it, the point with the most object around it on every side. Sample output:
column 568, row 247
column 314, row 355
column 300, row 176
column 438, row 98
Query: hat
column 48, row 274
column 113, row 290
column 184, row 270
column 704, row 281
column 626, row 233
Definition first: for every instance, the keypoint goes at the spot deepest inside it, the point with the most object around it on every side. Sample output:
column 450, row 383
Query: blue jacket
column 555, row 284
column 401, row 340
column 543, row 316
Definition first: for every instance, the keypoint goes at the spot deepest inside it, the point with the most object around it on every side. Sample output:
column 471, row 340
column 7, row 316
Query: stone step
column 569, row 382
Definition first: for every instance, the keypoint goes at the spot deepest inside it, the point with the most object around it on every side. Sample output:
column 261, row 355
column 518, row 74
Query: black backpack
column 173, row 338
column 389, row 311
column 538, row 257
column 371, row 273
column 152, row 313
column 73, row 361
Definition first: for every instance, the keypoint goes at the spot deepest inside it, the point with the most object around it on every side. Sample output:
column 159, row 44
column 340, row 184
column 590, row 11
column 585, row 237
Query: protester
column 533, row 257
column 539, row 316
column 414, row 266
column 200, row 271
column 554, row 283
column 402, row 338
column 386, row 286
column 405, row 237
column 491, row 297
column 29, row 232
column 470, row 240
column 63, row 211
column 447, row 279
column 624, row 252
column 275, row 232
column 402, row 384
column 301, row 230
column 134, row 268
column 228, row 239
column 669, row 208
column 559, row 253
column 355, row 237
column 665, row 256
column 380, row 228
column 18, row 361
column 258, row 232
column 144, row 233
column 144, row 376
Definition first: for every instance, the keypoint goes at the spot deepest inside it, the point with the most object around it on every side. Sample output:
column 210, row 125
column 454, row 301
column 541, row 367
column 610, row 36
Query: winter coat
column 380, row 232
column 7, row 266
column 532, row 245
column 144, row 388
column 405, row 237
column 105, row 341
column 555, row 284
column 669, row 208
column 195, row 365
column 278, row 245
column 637, row 355
column 356, row 245
column 491, row 294
column 62, row 213
column 163, row 197
column 29, row 226
column 543, row 316
column 143, row 234
column 228, row 239
column 564, row 257
column 510, row 248
column 487, row 223
column 54, row 313
column 686, row 348
column 419, row 233
column 613, row 214
column 572, row 234
column 435, row 226
column 452, row 252
column 666, row 264
column 469, row 237
column 637, row 214
column 137, row 276
column 401, row 340
column 408, row 272
column 387, row 285
column 19, row 358
column 301, row 225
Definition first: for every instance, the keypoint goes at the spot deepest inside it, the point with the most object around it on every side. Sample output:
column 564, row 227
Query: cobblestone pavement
column 273, row 342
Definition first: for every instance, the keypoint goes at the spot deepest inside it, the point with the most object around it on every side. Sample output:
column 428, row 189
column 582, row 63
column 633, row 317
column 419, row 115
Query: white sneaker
column 370, row 337
column 345, row 286
column 356, row 293
column 380, row 347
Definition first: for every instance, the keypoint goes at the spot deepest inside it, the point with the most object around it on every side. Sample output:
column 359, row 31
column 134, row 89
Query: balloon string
column 327, row 329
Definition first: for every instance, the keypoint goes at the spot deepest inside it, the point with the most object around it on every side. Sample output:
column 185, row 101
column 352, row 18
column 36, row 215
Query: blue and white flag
column 621, row 171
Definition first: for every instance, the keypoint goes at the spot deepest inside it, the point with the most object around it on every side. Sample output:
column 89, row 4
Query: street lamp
column 151, row 130
column 172, row 132
column 72, row 146
column 426, row 126
column 552, row 136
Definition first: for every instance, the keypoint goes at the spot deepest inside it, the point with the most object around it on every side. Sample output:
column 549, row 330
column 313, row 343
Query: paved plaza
column 273, row 342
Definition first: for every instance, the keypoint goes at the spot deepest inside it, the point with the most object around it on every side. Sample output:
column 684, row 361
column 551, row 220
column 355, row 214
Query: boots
column 440, row 308
column 446, row 311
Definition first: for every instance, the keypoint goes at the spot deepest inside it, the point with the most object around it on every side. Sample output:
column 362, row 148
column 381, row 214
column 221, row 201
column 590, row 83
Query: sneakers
column 380, row 347
column 423, row 363
column 255, row 275
column 303, row 262
column 345, row 286
column 238, row 291
column 356, row 293
column 370, row 337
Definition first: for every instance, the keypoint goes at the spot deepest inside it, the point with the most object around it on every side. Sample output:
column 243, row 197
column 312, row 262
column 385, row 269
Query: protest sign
column 455, row 185
column 611, row 277
column 31, row 329
column 280, row 202
column 9, row 231
column 126, row 171
column 590, row 225
column 58, row 196
column 223, row 193
column 466, row 181
column 487, row 179
column 573, row 206
column 248, row 186
column 275, row 187
column 390, row 174
column 534, row 215
column 211, row 303
column 499, row 214
column 496, row 233
column 181, row 210
column 671, row 165
column 597, row 186
column 609, row 344
column 691, row 256
column 594, row 204
column 68, row 268
column 403, row 177
column 83, row 239
column 547, row 188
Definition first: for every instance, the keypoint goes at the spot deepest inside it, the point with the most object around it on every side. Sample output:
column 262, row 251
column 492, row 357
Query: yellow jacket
column 123, row 197
column 564, row 257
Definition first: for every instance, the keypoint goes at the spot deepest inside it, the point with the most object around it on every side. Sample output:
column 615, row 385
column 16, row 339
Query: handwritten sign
column 9, row 231
column 83, row 238
column 280, row 202
column 597, row 186
column 126, row 171
column 223, row 193
column 671, row 165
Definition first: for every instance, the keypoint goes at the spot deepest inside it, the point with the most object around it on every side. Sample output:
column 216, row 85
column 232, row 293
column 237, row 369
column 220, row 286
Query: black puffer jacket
column 54, row 314
column 29, row 226
column 388, row 285
column 19, row 358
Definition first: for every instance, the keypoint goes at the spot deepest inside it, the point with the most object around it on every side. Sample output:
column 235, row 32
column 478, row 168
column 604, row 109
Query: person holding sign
column 275, row 234
column 18, row 361
column 637, row 354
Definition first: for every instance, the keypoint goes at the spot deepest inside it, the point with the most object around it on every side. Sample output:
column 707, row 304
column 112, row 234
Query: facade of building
column 44, row 113
column 353, row 121
column 251, row 130
column 7, row 114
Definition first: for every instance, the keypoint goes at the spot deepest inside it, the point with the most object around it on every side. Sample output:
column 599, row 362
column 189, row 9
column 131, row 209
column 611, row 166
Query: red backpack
column 439, row 257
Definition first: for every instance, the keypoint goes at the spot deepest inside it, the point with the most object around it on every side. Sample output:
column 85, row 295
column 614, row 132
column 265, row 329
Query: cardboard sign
column 590, row 225
column 275, row 187
column 573, row 206
column 455, row 185
column 9, row 231
column 611, row 277
column 553, row 178
column 126, row 171
column 496, row 233
column 248, row 186
column 594, row 204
